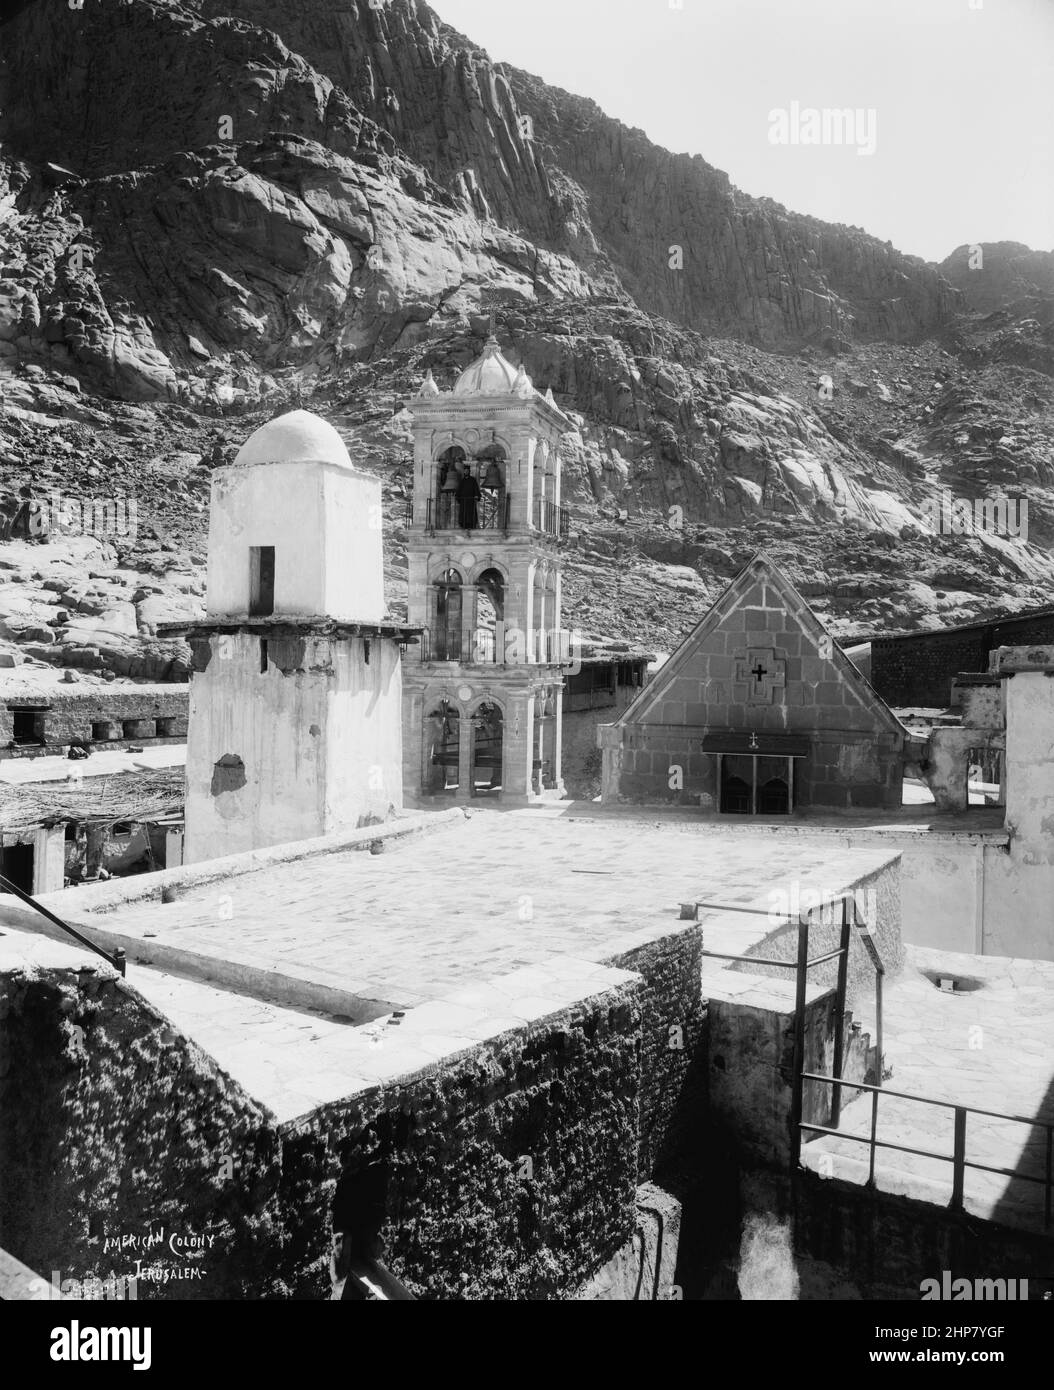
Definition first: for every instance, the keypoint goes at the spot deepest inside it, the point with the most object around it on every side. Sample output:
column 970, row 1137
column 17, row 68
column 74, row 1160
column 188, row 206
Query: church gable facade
column 759, row 712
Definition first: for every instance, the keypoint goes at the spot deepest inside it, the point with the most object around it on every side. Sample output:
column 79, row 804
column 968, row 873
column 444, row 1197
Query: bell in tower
column 482, row 693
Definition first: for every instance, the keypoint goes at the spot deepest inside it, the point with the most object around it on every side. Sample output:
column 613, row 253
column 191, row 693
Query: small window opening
column 28, row 726
column 261, row 581
column 263, row 656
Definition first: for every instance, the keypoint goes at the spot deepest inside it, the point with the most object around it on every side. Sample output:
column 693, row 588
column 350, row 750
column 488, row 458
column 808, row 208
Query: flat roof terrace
column 358, row 934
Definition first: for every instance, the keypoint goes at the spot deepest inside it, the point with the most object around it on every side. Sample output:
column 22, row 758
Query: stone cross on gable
column 763, row 673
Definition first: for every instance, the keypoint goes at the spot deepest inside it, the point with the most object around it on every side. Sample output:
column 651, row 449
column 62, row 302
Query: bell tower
column 482, row 694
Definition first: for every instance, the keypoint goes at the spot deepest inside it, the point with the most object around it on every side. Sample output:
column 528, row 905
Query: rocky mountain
column 210, row 211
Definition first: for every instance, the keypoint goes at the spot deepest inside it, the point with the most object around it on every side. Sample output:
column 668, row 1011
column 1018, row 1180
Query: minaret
column 483, row 693
column 295, row 699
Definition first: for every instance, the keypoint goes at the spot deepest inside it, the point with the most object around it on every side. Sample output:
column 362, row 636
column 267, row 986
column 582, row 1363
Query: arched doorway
column 487, row 749
column 737, row 777
column 773, row 797
column 446, row 634
column 442, row 752
column 490, row 617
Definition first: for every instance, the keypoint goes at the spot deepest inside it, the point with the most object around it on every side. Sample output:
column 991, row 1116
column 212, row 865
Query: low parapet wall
column 500, row 1128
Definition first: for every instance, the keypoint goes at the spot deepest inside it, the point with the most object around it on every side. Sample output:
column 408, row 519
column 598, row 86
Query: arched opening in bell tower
column 488, row 729
column 490, row 617
column 447, row 629
column 493, row 501
column 543, row 760
column 451, row 467
column 442, row 751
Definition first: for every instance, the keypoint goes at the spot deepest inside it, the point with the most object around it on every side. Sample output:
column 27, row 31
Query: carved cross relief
column 763, row 673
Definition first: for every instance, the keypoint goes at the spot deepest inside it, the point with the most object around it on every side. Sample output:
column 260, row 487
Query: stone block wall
column 918, row 669
column 808, row 693
column 506, row 1173
column 115, row 1124
column 844, row 770
column 507, row 1169
column 673, row 1079
column 99, row 716
column 878, row 901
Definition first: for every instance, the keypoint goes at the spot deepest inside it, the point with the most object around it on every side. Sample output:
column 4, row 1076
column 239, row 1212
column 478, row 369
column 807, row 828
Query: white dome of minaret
column 492, row 375
column 298, row 437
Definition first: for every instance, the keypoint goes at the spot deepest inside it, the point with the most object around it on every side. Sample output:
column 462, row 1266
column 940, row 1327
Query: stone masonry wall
column 673, row 1078
column 918, row 669
column 878, row 902
column 69, row 718
column 855, row 756
column 507, row 1174
column 116, row 1125
column 508, row 1170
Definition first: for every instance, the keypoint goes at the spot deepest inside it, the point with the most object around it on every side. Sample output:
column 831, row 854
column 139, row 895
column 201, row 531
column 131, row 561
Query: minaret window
column 261, row 581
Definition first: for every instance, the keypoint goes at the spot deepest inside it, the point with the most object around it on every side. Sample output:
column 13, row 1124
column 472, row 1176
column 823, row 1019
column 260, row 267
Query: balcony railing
column 552, row 520
column 445, row 513
column 493, row 512
column 482, row 647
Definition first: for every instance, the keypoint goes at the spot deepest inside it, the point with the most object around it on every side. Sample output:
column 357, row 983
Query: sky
column 954, row 142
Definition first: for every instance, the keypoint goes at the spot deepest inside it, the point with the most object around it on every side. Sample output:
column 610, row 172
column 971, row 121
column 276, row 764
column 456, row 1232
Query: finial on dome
column 550, row 398
column 428, row 386
column 523, row 385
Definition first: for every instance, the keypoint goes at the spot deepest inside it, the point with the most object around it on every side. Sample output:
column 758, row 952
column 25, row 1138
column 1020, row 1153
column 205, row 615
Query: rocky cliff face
column 213, row 210
column 204, row 192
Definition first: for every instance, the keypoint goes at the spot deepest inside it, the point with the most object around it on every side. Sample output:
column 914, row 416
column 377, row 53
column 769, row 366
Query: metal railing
column 445, row 513
column 115, row 958
column 505, row 646
column 957, row 1158
column 552, row 519
column 802, row 965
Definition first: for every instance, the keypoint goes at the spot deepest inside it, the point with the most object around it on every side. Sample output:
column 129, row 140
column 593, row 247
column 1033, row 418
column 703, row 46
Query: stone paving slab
column 483, row 896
